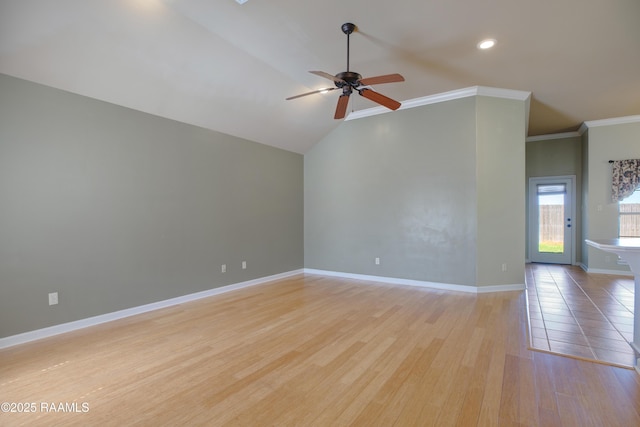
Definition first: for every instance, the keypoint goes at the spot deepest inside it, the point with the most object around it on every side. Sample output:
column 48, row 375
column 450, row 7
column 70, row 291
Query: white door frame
column 570, row 180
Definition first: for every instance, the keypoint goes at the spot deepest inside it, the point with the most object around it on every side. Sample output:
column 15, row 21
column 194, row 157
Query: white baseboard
column 103, row 318
column 418, row 283
column 636, row 349
column 107, row 317
column 601, row 271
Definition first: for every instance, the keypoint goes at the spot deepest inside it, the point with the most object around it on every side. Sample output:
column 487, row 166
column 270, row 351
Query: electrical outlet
column 244, row 265
column 53, row 298
column 504, row 266
column 377, row 261
column 224, row 268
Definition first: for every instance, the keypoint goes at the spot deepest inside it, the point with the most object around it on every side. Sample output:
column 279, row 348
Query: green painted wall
column 428, row 190
column 606, row 142
column 114, row 208
column 558, row 157
column 397, row 186
column 500, row 165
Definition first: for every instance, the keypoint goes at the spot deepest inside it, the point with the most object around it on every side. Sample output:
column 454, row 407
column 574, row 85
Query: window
column 629, row 216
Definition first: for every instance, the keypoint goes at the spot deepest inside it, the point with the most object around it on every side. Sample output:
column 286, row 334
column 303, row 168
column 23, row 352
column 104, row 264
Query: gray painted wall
column 418, row 188
column 500, row 146
column 558, row 157
column 114, row 208
column 400, row 187
column 584, row 142
column 604, row 143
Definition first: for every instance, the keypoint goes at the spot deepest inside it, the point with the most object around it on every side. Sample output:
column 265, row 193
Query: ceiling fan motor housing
column 349, row 78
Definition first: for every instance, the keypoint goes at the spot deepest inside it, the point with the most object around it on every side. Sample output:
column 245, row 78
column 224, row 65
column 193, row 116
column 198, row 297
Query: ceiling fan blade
column 380, row 99
column 341, row 108
column 311, row 93
column 327, row 76
column 377, row 80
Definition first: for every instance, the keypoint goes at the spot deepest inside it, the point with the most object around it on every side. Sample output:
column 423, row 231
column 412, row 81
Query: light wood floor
column 318, row 351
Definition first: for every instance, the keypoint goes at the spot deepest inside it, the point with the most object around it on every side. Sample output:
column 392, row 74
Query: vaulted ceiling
column 229, row 67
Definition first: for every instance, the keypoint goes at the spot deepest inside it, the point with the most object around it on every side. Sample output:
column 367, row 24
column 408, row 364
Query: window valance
column 626, row 178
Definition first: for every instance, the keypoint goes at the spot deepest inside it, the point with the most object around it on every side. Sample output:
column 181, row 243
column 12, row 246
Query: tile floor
column 580, row 314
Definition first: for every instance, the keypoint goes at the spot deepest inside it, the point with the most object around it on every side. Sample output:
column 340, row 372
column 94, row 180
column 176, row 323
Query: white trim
column 553, row 136
column 595, row 123
column 445, row 96
column 601, row 271
column 500, row 288
column 612, row 121
column 534, row 255
column 108, row 317
column 50, row 331
column 636, row 350
column 418, row 283
column 495, row 92
column 582, row 129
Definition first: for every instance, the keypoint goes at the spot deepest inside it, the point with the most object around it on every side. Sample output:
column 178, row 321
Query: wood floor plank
column 528, row 407
column 510, row 401
column 477, row 384
column 410, row 412
column 315, row 351
column 452, row 407
column 491, row 402
column 545, row 397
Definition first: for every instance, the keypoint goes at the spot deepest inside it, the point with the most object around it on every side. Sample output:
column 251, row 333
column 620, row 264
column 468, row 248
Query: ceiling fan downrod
column 348, row 28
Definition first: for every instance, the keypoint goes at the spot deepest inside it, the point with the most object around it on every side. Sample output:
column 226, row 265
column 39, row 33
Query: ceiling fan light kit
column 349, row 81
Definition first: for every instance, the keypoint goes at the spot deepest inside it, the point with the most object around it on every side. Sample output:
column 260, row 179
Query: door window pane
column 551, row 218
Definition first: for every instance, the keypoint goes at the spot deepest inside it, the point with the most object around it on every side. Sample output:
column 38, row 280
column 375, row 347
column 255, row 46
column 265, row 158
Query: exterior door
column 551, row 219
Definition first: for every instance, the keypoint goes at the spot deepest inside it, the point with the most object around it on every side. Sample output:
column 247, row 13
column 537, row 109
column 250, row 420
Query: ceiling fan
column 349, row 81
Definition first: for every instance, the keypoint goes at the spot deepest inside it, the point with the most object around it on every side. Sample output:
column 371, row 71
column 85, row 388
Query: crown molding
column 446, row 96
column 612, row 121
column 495, row 92
column 554, row 136
column 582, row 129
column 585, row 127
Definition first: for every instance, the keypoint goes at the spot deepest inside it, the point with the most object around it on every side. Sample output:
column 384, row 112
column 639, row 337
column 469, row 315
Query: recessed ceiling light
column 487, row 44
column 241, row 1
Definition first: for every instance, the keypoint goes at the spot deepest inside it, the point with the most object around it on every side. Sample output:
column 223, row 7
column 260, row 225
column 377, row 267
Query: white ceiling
column 229, row 67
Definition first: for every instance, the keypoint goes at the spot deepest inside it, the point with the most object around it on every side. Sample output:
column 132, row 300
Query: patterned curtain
column 626, row 178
